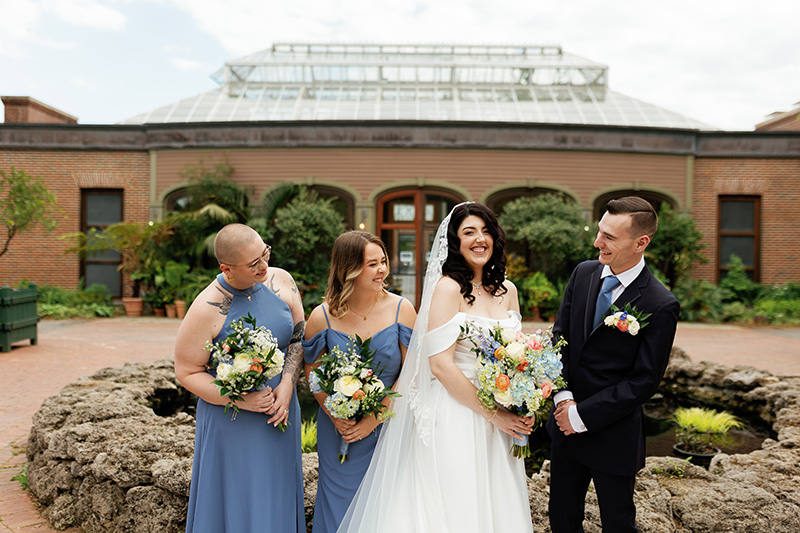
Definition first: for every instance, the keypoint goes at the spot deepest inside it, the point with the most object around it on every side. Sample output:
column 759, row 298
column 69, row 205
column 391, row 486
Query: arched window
column 342, row 202
column 655, row 199
column 498, row 200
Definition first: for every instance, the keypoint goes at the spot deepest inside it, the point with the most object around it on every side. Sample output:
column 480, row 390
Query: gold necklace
column 248, row 294
column 368, row 312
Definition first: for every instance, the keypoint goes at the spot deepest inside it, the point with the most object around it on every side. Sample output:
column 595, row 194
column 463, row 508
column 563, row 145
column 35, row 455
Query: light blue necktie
column 604, row 298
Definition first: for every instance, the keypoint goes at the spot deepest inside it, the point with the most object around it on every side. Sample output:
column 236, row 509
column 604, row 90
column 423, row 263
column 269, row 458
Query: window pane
column 399, row 210
column 737, row 216
column 744, row 247
column 103, row 209
column 107, row 275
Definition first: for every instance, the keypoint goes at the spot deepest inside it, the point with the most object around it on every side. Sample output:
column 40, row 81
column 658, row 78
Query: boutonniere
column 629, row 319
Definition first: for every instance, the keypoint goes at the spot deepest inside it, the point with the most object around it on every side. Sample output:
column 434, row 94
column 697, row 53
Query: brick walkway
column 73, row 348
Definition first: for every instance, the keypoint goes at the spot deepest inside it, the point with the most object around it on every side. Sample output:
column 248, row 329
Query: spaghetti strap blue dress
column 247, row 475
column 338, row 482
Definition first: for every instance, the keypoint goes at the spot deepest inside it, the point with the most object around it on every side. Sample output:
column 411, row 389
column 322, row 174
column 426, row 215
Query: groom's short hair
column 644, row 220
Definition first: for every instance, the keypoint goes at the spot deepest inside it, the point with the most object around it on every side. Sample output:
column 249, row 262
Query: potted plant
column 700, row 432
column 139, row 249
column 537, row 290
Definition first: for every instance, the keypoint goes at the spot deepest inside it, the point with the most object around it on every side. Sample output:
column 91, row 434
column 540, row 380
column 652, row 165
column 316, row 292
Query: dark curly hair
column 494, row 273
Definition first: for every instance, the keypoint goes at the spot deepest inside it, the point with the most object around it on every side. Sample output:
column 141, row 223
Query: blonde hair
column 347, row 263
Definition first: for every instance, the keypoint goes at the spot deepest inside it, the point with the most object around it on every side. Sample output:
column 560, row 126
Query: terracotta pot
column 180, row 308
column 133, row 306
column 170, row 308
column 159, row 311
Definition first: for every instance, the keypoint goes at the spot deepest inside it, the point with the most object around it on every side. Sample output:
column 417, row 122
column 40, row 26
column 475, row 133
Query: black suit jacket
column 611, row 373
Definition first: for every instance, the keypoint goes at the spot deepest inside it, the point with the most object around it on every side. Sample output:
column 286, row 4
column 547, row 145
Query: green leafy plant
column 737, row 284
column 58, row 303
column 308, row 437
column 676, row 246
column 701, row 430
column 552, row 228
column 536, row 289
column 22, row 477
column 700, row 300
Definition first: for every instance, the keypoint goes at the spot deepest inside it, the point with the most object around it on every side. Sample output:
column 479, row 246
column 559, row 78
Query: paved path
column 72, row 348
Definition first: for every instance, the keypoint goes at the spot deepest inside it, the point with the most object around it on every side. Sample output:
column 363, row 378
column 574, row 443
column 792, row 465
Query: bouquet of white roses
column 352, row 385
column 516, row 370
column 244, row 361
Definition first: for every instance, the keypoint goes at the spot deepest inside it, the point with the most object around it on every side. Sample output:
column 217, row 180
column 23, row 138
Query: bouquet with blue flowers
column 353, row 386
column 516, row 370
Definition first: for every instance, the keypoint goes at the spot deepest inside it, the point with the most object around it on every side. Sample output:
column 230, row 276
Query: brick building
column 398, row 146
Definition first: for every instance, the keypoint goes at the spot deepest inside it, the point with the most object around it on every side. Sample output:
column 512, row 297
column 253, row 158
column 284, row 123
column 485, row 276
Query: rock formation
column 113, row 452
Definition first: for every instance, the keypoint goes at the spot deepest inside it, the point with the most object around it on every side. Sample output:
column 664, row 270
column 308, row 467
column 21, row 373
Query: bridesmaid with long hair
column 356, row 303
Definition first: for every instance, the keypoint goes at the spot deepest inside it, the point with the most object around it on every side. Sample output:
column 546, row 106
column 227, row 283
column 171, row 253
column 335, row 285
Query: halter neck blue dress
column 338, row 482
column 247, row 475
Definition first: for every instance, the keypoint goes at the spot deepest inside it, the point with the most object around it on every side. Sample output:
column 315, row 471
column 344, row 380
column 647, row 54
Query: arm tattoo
column 271, row 284
column 225, row 304
column 296, row 290
column 294, row 353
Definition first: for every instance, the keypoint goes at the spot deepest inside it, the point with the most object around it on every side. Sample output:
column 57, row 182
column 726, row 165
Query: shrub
column 553, row 229
column 738, row 286
column 779, row 312
column 535, row 292
column 676, row 246
column 736, row 312
column 58, row 303
column 700, row 300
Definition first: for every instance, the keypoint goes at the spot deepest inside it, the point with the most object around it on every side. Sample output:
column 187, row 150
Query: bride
column 443, row 463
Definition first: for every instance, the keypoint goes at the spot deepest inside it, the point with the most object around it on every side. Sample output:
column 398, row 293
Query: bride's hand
column 507, row 422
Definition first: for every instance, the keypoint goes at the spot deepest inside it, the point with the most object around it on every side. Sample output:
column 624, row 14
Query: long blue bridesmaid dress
column 247, row 475
column 338, row 482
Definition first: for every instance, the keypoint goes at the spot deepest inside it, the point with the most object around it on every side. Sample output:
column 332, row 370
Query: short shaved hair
column 230, row 240
column 644, row 220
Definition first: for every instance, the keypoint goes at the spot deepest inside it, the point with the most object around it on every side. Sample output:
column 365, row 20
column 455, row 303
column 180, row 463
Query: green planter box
column 18, row 316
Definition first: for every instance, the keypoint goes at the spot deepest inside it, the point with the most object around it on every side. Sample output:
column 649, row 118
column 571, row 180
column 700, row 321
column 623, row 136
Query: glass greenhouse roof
column 494, row 83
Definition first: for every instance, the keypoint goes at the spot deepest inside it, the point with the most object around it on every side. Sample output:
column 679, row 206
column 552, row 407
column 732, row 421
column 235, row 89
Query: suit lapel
column 629, row 296
column 591, row 301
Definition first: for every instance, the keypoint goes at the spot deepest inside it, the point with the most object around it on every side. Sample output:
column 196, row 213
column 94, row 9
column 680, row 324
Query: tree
column 24, row 202
column 302, row 236
column 552, row 228
column 676, row 246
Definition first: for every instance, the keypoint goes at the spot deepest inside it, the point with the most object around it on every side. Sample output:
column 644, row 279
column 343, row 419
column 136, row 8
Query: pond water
column 660, row 432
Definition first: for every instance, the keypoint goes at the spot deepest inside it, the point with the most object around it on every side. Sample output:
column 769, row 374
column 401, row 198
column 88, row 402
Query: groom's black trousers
column 569, row 480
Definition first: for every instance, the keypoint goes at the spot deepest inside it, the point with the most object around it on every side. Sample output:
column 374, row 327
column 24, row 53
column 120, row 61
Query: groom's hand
column 562, row 417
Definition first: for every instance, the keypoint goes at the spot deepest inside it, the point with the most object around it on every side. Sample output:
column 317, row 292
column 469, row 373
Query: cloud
column 188, row 64
column 86, row 13
column 82, row 83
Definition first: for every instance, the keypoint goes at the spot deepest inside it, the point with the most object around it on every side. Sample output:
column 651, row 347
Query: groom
column 597, row 427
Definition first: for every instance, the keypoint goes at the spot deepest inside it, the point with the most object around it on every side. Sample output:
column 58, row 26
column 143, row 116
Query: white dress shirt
column 625, row 279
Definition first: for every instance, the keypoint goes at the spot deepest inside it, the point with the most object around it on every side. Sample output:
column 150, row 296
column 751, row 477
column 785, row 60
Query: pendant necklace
column 477, row 287
column 368, row 312
column 247, row 294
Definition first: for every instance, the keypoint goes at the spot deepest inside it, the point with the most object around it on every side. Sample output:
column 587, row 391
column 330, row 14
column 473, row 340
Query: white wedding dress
column 439, row 466
column 464, row 480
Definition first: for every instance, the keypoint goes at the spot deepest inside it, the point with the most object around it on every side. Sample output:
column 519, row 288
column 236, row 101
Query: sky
column 728, row 64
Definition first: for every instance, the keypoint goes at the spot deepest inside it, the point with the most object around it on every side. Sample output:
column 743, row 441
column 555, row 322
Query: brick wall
column 38, row 255
column 777, row 183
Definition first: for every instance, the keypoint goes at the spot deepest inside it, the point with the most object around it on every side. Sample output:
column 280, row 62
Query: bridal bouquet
column 353, row 387
column 516, row 370
column 244, row 361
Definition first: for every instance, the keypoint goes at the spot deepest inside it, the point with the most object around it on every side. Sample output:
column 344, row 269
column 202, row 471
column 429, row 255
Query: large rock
column 113, row 452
